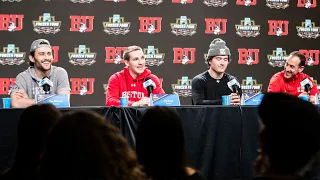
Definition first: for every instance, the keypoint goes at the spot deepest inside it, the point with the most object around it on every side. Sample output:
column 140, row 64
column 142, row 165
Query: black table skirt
column 221, row 142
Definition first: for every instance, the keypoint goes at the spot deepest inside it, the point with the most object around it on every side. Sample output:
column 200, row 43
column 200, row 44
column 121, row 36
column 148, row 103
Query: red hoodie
column 278, row 83
column 122, row 83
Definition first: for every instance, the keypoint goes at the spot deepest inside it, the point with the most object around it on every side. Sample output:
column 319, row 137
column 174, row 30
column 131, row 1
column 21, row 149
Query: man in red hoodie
column 289, row 80
column 129, row 81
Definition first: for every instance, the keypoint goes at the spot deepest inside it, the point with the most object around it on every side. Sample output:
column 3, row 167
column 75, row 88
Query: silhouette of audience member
column 83, row 146
column 160, row 146
column 33, row 128
column 289, row 137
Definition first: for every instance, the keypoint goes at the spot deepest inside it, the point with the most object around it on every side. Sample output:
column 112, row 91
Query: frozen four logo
column 277, row 58
column 308, row 30
column 153, row 57
column 116, row 25
column 278, row 4
column 183, row 26
column 150, row 2
column 215, row 3
column 247, row 28
column 183, row 87
column 11, row 55
column 46, row 24
column 82, row 56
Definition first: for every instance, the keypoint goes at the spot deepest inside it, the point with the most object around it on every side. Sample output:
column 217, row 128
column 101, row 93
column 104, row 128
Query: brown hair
column 129, row 50
column 84, row 146
column 300, row 56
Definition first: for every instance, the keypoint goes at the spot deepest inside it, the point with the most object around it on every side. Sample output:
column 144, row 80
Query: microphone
column 234, row 86
column 149, row 85
column 45, row 83
column 307, row 84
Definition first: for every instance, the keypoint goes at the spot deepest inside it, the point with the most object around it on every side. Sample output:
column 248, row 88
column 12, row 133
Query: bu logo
column 114, row 54
column 307, row 3
column 216, row 26
column 248, row 56
column 55, row 50
column 278, row 27
column 182, row 1
column 6, row 85
column 312, row 56
column 79, row 85
column 246, row 2
column 184, row 55
column 150, row 24
column 81, row 23
column 11, row 22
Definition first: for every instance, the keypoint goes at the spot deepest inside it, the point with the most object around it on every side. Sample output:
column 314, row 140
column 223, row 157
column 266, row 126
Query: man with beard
column 289, row 80
column 27, row 82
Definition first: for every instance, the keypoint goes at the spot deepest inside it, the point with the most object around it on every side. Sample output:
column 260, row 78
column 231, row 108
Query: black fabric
column 196, row 176
column 221, row 141
column 217, row 141
column 209, row 91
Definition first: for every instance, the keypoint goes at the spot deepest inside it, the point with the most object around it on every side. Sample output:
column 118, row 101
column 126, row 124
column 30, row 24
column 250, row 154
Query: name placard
column 165, row 100
column 58, row 100
column 252, row 98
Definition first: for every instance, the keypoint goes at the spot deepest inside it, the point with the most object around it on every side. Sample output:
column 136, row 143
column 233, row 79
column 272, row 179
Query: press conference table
column 221, row 141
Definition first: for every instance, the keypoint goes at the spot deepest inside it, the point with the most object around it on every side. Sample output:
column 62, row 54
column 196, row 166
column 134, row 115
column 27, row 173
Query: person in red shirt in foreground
column 129, row 81
column 289, row 80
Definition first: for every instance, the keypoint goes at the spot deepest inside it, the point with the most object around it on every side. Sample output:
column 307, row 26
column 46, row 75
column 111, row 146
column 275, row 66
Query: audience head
column 160, row 143
column 33, row 128
column 84, row 146
column 290, row 132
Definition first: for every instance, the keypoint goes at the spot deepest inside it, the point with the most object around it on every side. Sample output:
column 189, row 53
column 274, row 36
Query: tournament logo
column 182, row 1
column 11, row 22
column 82, row 56
column 116, row 1
column 248, row 56
column 247, row 28
column 312, row 56
column 11, row 0
column 46, row 24
column 246, row 2
column 150, row 2
column 82, row 1
column 250, row 86
column 116, row 25
column 251, row 91
column 278, row 58
column 81, row 23
column 308, row 30
column 278, row 4
column 114, row 54
column 215, row 3
column 150, row 25
column 183, row 87
column 183, row 26
column 153, row 57
column 278, row 27
column 184, row 55
column 82, row 86
column 216, row 26
column 11, row 55
column 307, row 3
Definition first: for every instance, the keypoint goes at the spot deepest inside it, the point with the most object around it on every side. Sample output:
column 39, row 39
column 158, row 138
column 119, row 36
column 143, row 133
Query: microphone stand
column 150, row 100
